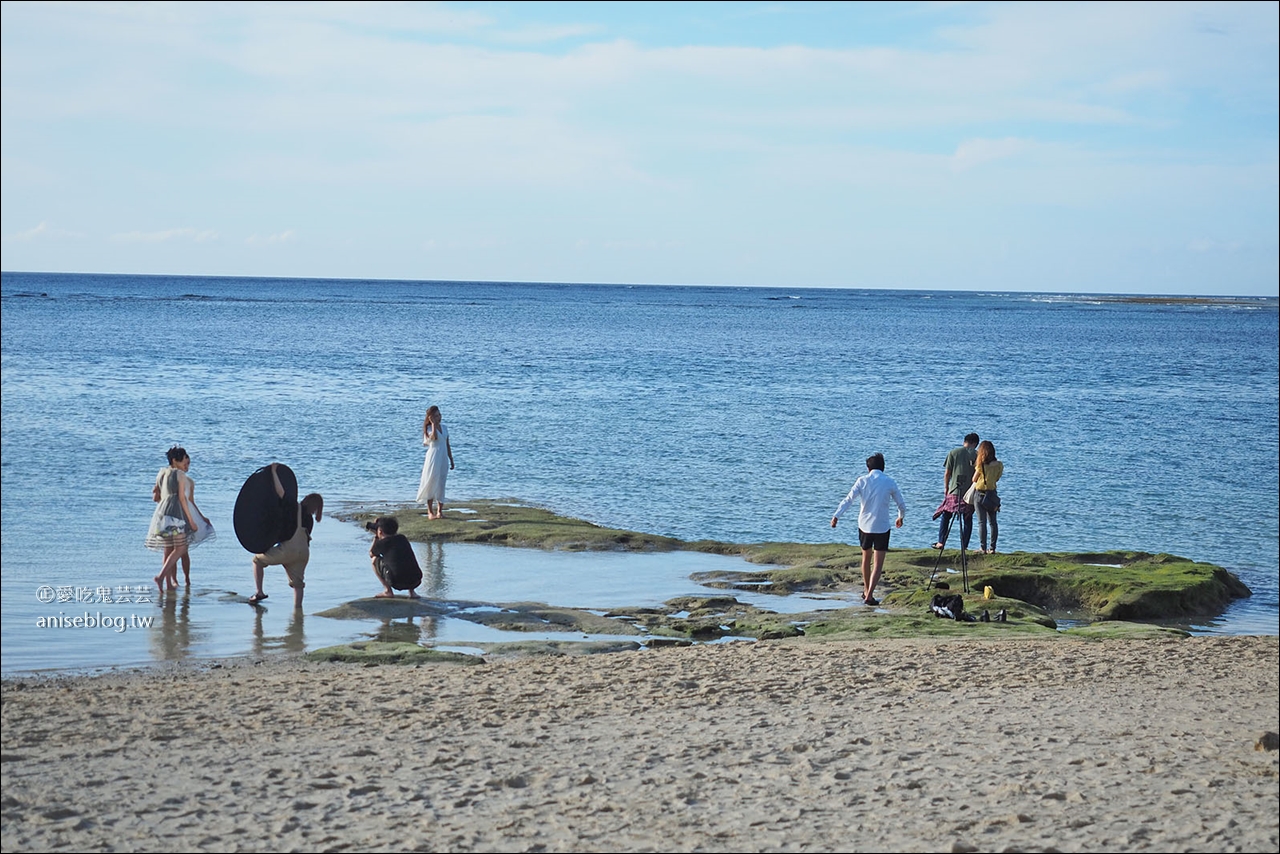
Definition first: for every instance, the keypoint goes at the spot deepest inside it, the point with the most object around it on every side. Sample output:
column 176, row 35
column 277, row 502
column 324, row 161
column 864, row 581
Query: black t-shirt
column 403, row 572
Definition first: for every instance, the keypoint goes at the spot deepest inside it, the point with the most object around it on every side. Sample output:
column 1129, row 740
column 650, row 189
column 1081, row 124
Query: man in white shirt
column 875, row 489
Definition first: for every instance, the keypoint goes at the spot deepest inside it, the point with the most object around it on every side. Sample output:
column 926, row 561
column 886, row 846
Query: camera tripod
column 964, row 552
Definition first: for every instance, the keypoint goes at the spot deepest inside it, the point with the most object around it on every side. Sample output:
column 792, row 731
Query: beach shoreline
column 886, row 745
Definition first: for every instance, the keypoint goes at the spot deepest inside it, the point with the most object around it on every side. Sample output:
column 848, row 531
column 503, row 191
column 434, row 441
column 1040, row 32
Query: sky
column 1084, row 148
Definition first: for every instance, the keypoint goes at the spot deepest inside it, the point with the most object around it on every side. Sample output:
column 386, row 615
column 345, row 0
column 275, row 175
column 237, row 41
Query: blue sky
column 1123, row 148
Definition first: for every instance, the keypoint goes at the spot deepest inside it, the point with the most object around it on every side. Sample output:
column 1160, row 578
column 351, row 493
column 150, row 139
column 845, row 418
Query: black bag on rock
column 951, row 607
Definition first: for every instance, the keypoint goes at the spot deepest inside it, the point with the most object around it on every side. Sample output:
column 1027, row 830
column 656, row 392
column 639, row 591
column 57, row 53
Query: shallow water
column 212, row 620
column 721, row 413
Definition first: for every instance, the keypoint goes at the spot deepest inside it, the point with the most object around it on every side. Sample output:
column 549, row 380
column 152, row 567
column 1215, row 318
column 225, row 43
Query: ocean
column 739, row 414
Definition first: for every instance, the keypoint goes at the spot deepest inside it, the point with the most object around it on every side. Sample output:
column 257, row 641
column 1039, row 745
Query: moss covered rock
column 861, row 623
column 1122, row 630
column 511, row 523
column 520, row 649
column 377, row 652
column 535, row 616
column 1033, row 587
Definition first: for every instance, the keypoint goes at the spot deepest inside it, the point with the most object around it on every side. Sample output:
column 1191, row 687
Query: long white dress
column 204, row 529
column 435, row 468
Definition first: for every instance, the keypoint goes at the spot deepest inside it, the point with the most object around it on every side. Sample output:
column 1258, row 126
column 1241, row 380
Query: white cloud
column 270, row 239
column 166, row 235
column 546, row 34
column 40, row 232
column 386, row 122
column 308, row 66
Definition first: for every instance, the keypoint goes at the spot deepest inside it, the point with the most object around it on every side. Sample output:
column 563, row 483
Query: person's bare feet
column 384, row 595
column 159, row 580
column 413, row 594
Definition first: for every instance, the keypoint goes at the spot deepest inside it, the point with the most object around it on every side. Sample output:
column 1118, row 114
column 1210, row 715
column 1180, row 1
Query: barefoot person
column 394, row 562
column 203, row 527
column 431, row 487
column 173, row 519
column 875, row 489
column 294, row 553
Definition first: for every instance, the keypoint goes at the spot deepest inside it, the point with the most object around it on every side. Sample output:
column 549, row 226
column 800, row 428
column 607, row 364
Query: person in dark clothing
column 394, row 562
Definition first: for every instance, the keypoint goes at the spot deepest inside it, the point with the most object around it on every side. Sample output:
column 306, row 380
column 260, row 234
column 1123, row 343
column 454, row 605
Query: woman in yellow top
column 986, row 471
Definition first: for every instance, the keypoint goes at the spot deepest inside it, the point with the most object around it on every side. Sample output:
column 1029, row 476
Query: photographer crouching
column 394, row 562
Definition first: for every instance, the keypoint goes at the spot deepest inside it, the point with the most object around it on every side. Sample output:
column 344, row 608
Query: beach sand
column 892, row 745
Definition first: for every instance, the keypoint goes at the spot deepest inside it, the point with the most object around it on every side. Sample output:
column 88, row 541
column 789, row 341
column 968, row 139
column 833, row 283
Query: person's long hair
column 313, row 505
column 986, row 454
column 427, row 419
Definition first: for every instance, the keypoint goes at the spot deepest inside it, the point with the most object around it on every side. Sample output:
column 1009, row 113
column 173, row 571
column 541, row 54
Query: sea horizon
column 623, row 284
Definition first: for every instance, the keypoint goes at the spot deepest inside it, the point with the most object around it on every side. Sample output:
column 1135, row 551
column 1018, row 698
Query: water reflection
column 293, row 640
column 407, row 631
column 172, row 641
column 431, row 557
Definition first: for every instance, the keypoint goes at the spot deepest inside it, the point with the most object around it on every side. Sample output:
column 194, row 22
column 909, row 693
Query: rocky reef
column 1108, row 594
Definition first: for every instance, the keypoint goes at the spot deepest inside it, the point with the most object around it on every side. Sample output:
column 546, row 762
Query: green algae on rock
column 1121, row 629
column 710, row 618
column 1119, row 585
column 521, row 649
column 376, row 652
column 856, row 623
column 511, row 523
column 386, row 609
column 538, row 617
column 1113, row 585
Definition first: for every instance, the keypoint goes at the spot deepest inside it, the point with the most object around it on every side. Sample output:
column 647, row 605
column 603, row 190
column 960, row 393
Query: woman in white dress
column 431, row 488
column 203, row 527
column 172, row 521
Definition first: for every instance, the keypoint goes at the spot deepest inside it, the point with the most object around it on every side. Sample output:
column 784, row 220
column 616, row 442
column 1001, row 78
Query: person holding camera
column 394, row 562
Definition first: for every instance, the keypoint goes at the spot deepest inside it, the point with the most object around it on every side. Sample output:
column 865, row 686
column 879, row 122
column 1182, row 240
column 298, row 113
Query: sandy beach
column 899, row 745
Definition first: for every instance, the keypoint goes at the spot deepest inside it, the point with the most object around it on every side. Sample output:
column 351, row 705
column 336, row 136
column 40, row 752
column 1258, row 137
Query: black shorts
column 873, row 542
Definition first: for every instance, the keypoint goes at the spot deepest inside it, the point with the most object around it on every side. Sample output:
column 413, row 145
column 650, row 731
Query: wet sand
column 893, row 745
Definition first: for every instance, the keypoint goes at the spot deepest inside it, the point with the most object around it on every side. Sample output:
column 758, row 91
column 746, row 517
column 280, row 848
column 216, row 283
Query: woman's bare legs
column 159, row 579
column 169, row 572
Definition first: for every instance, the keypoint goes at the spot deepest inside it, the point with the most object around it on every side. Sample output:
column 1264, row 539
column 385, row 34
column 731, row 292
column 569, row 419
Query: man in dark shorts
column 393, row 559
column 875, row 489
